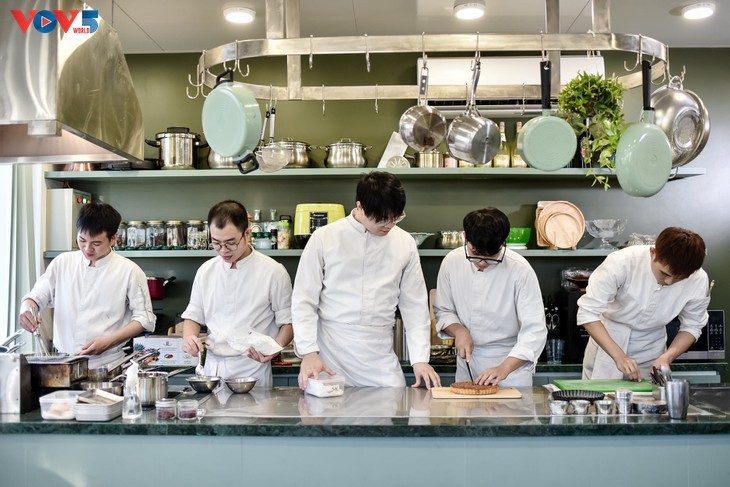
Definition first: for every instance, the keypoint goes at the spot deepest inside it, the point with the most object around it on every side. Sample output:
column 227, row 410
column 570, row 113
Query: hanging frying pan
column 644, row 155
column 684, row 118
column 422, row 127
column 471, row 137
column 232, row 120
column 547, row 143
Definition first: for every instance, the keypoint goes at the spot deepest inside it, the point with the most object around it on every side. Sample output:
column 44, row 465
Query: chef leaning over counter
column 100, row 298
column 243, row 296
column 488, row 298
column 630, row 298
column 352, row 275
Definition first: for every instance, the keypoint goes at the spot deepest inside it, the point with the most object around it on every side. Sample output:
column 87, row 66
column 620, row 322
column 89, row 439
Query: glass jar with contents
column 121, row 237
column 196, row 236
column 187, row 409
column 283, row 233
column 262, row 241
column 166, row 409
column 156, row 234
column 136, row 234
column 176, row 238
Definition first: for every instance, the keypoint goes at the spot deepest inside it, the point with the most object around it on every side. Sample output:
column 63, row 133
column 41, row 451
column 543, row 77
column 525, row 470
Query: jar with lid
column 196, row 236
column 283, row 233
column 256, row 225
column 187, row 409
column 262, row 241
column 176, row 238
column 156, row 234
column 136, row 234
column 166, row 409
column 121, row 237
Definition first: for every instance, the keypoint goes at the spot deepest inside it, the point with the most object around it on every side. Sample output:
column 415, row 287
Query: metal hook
column 591, row 52
column 311, row 51
column 638, row 57
column 524, row 96
column 673, row 174
column 323, row 102
column 196, row 85
column 367, row 53
column 542, row 47
column 423, row 48
column 238, row 64
column 271, row 96
column 376, row 98
column 477, row 54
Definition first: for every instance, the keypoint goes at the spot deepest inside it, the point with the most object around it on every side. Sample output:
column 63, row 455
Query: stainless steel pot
column 178, row 148
column 422, row 127
column 430, row 158
column 299, row 152
column 153, row 386
column 217, row 161
column 345, row 153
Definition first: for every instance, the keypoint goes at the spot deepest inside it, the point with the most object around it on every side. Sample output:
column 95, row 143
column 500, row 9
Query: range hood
column 66, row 97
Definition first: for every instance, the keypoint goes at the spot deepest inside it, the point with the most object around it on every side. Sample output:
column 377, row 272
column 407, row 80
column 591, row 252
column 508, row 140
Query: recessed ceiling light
column 698, row 10
column 469, row 9
column 239, row 15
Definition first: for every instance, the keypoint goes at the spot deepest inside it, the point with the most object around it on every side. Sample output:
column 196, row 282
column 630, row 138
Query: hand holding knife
column 468, row 368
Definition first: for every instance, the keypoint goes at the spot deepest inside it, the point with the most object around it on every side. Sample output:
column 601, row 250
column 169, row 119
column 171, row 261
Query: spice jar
column 121, row 236
column 197, row 238
column 136, row 234
column 283, row 233
column 166, row 409
column 176, row 238
column 187, row 409
column 156, row 234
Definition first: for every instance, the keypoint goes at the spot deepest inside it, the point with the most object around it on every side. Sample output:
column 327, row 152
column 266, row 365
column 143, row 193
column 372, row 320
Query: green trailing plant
column 600, row 100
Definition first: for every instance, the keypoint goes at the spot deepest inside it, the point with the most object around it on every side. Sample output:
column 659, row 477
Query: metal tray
column 571, row 395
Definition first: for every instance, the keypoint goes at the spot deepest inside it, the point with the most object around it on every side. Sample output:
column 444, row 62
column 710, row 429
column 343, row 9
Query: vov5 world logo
column 46, row 21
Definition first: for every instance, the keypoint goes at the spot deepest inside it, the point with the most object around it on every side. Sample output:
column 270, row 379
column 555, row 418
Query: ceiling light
column 469, row 9
column 239, row 15
column 698, row 10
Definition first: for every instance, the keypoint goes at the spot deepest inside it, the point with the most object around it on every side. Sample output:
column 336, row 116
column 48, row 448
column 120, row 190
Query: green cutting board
column 603, row 385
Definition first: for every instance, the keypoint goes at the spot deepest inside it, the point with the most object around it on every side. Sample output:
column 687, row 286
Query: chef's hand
column 97, row 346
column 662, row 361
column 424, row 371
column 29, row 317
column 629, row 367
column 260, row 357
column 192, row 345
column 463, row 343
column 311, row 366
column 495, row 375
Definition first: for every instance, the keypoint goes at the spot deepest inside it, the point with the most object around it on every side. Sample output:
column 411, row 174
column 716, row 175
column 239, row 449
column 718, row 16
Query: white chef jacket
column 501, row 307
column 348, row 285
column 255, row 296
column 624, row 295
column 90, row 302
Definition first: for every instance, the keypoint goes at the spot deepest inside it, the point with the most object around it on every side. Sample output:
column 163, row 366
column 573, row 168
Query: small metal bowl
column 241, row 385
column 204, row 383
column 110, row 387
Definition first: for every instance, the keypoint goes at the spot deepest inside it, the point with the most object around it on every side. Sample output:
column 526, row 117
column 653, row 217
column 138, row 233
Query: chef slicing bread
column 631, row 297
column 100, row 298
column 352, row 275
column 488, row 298
column 244, row 298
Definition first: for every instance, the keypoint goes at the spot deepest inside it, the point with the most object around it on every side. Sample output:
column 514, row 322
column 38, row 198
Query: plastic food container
column 187, row 409
column 59, row 405
column 326, row 385
column 166, row 409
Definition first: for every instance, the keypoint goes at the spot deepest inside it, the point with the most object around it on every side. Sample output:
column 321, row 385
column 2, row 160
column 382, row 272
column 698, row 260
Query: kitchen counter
column 385, row 435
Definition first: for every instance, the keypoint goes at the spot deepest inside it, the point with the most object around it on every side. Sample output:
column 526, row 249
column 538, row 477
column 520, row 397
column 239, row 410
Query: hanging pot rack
column 294, row 47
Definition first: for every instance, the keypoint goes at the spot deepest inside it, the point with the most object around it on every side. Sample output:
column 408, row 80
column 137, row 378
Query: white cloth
column 624, row 295
column 255, row 296
column 94, row 301
column 500, row 306
column 350, row 278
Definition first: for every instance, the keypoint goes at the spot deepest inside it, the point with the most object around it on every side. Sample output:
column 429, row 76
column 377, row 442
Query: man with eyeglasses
column 240, row 295
column 352, row 275
column 488, row 298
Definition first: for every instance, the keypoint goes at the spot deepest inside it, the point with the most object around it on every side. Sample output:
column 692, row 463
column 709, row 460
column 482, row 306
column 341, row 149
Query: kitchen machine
column 311, row 216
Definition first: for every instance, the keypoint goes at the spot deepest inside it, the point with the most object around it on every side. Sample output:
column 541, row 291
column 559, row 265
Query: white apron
column 239, row 366
column 644, row 346
column 362, row 354
column 483, row 358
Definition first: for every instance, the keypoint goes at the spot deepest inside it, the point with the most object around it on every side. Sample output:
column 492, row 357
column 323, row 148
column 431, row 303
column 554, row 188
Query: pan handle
column 645, row 84
column 545, row 86
column 177, row 371
column 423, row 86
column 474, row 82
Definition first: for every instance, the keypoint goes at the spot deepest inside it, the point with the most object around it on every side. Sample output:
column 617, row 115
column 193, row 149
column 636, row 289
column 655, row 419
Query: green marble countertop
column 387, row 412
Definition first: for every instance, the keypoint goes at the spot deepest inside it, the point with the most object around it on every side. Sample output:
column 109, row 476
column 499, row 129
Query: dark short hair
column 97, row 217
column 486, row 230
column 228, row 211
column 681, row 250
column 381, row 195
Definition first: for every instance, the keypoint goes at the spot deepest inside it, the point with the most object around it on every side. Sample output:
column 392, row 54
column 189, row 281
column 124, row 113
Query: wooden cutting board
column 445, row 393
column 603, row 385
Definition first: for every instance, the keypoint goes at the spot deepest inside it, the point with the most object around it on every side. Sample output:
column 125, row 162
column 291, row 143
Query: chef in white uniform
column 237, row 294
column 488, row 298
column 352, row 275
column 631, row 297
column 100, row 299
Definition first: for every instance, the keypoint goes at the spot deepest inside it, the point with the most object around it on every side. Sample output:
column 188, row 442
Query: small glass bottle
column 131, row 404
column 283, row 233
column 256, row 222
column 501, row 158
column 274, row 237
column 156, row 234
column 517, row 160
column 271, row 222
column 121, row 236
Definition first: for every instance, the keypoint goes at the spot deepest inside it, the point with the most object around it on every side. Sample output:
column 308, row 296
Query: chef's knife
column 469, row 370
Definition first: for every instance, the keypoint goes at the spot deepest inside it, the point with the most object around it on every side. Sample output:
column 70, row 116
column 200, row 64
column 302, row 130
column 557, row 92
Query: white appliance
column 62, row 208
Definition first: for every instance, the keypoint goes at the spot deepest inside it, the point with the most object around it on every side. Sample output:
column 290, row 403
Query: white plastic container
column 59, row 405
column 326, row 385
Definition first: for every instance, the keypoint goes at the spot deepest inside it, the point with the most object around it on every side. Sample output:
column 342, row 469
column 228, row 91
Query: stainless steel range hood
column 66, row 97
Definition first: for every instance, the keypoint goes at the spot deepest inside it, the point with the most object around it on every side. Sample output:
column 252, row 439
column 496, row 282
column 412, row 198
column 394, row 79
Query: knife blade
column 469, row 370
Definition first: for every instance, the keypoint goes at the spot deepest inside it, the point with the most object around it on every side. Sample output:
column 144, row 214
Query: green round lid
column 547, row 143
column 643, row 159
column 231, row 120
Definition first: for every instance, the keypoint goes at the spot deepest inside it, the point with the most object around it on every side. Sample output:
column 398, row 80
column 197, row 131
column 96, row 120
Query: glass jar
column 176, row 238
column 283, row 233
column 197, row 239
column 262, row 241
column 136, row 234
column 121, row 236
column 187, row 409
column 166, row 409
column 156, row 234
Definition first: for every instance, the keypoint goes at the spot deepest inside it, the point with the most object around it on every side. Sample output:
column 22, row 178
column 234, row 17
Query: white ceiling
column 194, row 25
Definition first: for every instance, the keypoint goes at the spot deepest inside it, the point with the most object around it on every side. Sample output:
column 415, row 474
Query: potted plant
column 593, row 105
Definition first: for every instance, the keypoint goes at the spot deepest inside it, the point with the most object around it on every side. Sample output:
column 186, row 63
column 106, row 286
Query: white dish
column 517, row 246
column 326, row 385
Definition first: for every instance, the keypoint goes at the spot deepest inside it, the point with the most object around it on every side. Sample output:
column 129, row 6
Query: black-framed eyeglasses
column 394, row 221
column 227, row 245
column 479, row 260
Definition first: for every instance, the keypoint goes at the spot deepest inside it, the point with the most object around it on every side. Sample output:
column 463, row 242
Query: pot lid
column 345, row 143
column 177, row 132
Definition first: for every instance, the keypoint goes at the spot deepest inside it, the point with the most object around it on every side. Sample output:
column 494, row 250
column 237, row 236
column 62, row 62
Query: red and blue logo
column 46, row 21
